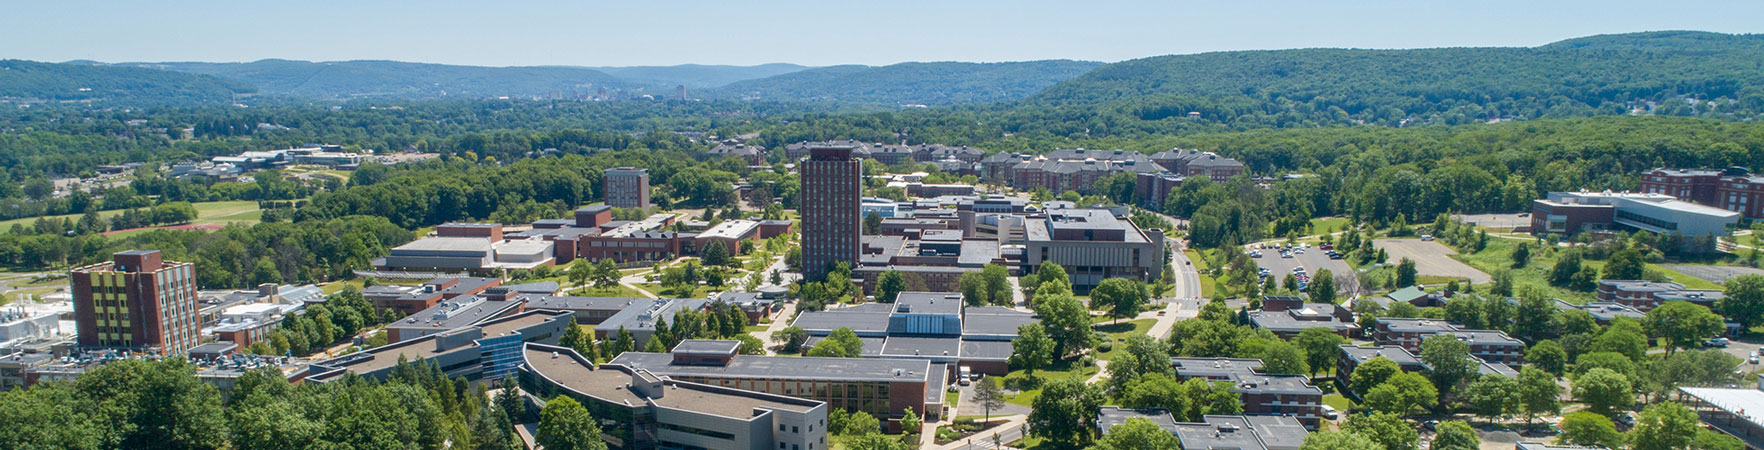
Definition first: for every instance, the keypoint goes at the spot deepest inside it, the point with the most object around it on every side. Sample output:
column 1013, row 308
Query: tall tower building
column 832, row 197
column 137, row 301
column 627, row 187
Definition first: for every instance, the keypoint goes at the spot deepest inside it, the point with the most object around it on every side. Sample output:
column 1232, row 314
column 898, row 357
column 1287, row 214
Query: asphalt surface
column 1431, row 258
column 1496, row 220
column 1313, row 260
column 1716, row 274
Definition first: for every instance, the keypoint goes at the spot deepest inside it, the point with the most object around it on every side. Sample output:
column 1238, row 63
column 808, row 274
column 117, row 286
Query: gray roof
column 867, row 318
column 707, row 346
column 456, row 312
column 994, row 321
column 583, row 303
column 912, row 347
column 990, row 350
column 943, row 303
column 785, row 367
column 1417, row 325
column 643, row 317
column 1603, row 311
column 1215, row 367
column 1287, row 321
column 1242, row 433
column 1394, row 353
column 1109, row 416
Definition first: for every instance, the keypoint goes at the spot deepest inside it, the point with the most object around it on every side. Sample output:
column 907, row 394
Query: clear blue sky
column 654, row 32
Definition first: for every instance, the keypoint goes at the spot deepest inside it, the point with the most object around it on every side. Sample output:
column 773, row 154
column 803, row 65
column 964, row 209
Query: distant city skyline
column 813, row 33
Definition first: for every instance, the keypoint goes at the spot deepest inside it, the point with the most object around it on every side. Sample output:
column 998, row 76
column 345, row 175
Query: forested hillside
column 403, row 80
column 1681, row 73
column 87, row 82
column 934, row 84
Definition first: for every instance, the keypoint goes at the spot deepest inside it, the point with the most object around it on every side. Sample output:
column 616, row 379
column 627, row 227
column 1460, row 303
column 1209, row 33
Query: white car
column 1255, row 254
column 1330, row 413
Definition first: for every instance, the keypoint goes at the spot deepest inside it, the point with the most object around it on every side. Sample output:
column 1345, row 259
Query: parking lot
column 1715, row 274
column 1313, row 260
column 1431, row 258
column 1497, row 221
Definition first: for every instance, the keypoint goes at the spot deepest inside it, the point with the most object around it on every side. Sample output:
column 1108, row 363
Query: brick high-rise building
column 627, row 187
column 137, row 301
column 832, row 196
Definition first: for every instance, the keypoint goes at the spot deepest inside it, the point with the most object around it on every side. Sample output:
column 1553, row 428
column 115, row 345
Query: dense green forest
column 934, row 84
column 139, row 403
column 1599, row 75
column 85, row 82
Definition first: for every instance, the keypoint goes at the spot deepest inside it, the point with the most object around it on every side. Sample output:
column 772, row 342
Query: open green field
column 1498, row 255
column 207, row 213
column 616, row 290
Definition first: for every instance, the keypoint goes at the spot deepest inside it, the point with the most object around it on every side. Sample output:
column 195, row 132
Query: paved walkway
column 1010, row 431
column 779, row 322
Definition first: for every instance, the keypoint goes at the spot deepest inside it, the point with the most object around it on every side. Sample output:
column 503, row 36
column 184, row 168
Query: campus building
column 487, row 350
column 1489, row 345
column 138, row 301
column 1077, row 169
column 883, row 387
column 627, row 187
column 1352, row 357
column 640, row 409
column 410, row 299
column 1190, row 163
column 1732, row 189
column 832, row 193
column 933, row 326
column 1092, row 245
column 1644, row 295
column 752, row 155
column 1262, row 394
column 472, row 248
column 1247, row 432
column 1569, row 213
column 1287, row 316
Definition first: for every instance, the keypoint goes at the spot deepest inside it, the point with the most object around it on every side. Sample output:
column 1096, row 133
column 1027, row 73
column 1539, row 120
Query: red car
column 1326, row 247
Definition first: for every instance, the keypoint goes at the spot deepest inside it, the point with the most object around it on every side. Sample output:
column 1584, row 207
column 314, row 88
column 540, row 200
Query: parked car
column 1326, row 247
column 1330, row 413
column 1716, row 342
column 1426, row 237
column 1255, row 254
column 1285, row 254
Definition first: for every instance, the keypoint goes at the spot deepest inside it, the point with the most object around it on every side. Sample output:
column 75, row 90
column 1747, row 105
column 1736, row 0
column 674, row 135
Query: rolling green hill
column 1586, row 76
column 80, row 81
column 394, row 79
column 934, row 84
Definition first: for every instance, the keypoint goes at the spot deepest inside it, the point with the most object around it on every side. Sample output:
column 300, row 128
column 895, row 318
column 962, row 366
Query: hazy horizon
column 557, row 33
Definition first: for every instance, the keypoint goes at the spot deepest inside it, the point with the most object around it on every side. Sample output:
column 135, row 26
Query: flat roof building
column 883, row 387
column 1093, row 245
column 640, row 409
column 832, row 193
column 137, row 301
column 627, row 187
column 1263, row 394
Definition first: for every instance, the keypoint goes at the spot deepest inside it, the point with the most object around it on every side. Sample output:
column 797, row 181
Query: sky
column 816, row 33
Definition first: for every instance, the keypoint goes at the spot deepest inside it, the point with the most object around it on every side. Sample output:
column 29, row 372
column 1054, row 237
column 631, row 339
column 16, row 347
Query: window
column 795, row 430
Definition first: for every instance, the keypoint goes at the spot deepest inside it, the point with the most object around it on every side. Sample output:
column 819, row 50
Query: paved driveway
column 1431, row 258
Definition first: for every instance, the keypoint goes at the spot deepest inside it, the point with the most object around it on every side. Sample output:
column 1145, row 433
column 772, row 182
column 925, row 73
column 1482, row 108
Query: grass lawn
column 1339, row 402
column 1498, row 255
column 951, row 398
column 656, row 288
column 616, row 290
column 207, row 213
column 1330, row 224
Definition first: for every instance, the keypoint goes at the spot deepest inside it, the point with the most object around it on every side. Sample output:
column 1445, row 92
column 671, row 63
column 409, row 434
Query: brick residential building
column 627, row 187
column 832, row 196
column 138, row 301
column 1646, row 295
column 1190, row 162
column 1489, row 345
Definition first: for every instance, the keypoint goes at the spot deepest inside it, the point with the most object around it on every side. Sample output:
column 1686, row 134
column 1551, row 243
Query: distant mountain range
column 1605, row 74
column 83, row 81
column 933, row 83
column 696, row 76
